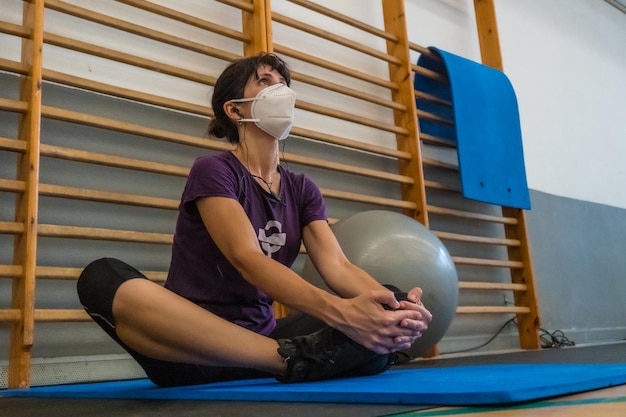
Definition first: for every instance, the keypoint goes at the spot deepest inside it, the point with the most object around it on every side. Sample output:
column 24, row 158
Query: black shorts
column 97, row 286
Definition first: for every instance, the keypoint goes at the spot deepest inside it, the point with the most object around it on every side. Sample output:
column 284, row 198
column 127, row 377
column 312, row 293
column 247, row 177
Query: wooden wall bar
column 528, row 321
column 354, row 174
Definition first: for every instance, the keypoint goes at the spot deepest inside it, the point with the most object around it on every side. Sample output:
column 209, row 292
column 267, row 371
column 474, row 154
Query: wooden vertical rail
column 25, row 247
column 257, row 25
column 395, row 24
column 400, row 74
column 528, row 324
column 488, row 37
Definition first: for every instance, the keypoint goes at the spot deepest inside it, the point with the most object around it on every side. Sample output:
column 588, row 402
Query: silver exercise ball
column 398, row 250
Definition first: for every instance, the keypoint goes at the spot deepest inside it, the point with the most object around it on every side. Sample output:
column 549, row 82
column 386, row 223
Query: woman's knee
column 98, row 283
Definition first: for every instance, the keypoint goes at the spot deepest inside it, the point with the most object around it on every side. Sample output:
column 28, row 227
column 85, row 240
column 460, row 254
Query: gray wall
column 578, row 251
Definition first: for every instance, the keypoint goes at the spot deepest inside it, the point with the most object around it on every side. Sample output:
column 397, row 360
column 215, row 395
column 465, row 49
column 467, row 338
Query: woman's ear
column 232, row 111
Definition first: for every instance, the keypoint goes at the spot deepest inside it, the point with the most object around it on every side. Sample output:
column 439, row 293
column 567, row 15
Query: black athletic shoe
column 328, row 354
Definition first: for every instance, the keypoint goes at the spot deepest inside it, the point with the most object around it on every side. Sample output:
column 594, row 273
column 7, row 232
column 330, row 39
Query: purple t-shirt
column 201, row 273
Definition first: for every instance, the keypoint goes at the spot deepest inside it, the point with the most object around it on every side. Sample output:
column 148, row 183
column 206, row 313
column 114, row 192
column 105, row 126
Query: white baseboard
column 510, row 340
column 76, row 369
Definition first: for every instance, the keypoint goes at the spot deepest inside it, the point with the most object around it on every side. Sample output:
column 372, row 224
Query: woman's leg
column 151, row 333
column 162, row 325
column 180, row 343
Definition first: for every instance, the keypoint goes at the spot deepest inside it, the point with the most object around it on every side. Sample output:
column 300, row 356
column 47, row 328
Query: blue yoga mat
column 486, row 126
column 462, row 385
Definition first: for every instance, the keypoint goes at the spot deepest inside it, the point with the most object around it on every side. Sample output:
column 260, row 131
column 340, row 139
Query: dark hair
column 230, row 85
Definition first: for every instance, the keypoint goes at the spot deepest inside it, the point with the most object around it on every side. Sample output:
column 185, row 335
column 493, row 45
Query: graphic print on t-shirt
column 275, row 240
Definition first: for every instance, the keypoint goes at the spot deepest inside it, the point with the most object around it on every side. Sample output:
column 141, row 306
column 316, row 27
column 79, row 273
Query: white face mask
column 272, row 110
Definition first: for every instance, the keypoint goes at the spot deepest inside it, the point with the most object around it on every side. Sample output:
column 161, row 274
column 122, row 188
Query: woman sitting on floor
column 241, row 221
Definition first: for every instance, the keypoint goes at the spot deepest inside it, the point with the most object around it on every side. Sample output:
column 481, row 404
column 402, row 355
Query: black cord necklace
column 268, row 184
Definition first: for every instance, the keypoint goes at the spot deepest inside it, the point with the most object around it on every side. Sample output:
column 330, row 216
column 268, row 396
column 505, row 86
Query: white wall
column 567, row 62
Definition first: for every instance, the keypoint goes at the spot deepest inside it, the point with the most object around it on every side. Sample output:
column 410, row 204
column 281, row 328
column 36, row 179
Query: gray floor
column 40, row 407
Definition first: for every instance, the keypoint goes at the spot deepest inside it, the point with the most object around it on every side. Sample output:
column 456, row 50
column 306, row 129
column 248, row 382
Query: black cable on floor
column 555, row 339
column 513, row 320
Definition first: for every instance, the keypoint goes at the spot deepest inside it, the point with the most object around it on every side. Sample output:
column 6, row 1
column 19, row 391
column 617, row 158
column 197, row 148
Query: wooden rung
column 13, row 66
column 429, row 97
column 98, row 158
column 140, row 30
column 77, row 193
column 66, row 273
column 350, row 143
column 329, row 36
column 346, row 19
column 13, row 105
column 125, row 93
column 83, row 83
column 140, row 165
column 10, row 271
column 12, row 228
column 471, row 215
column 112, row 160
column 477, row 239
column 430, row 74
column 487, row 262
column 439, row 164
column 61, row 315
column 128, row 59
column 442, row 186
column 190, row 20
column 351, row 169
column 433, row 117
column 60, row 191
column 466, row 285
column 131, row 128
column 156, row 276
column 62, row 273
column 294, row 53
column 492, row 310
column 14, row 30
column 242, row 5
column 434, row 140
column 94, row 233
column 360, row 120
column 46, row 315
column 58, row 273
column 351, row 92
column 10, row 315
column 361, row 198
column 12, row 145
column 423, row 50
